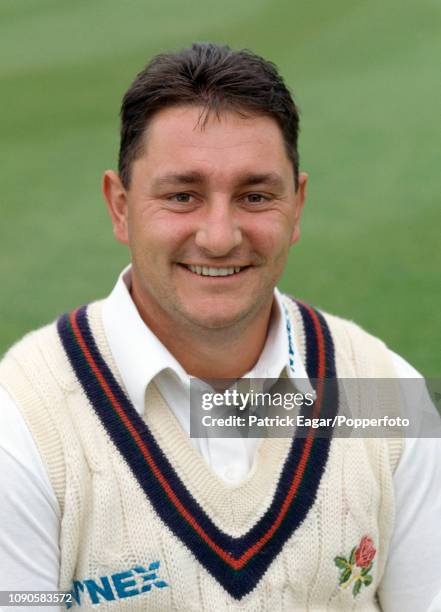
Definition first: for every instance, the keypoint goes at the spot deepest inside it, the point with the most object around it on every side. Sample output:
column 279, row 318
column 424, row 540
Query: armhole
column 350, row 336
column 379, row 364
column 25, row 389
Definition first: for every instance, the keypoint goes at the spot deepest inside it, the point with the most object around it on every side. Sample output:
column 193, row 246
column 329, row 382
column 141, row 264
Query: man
column 106, row 493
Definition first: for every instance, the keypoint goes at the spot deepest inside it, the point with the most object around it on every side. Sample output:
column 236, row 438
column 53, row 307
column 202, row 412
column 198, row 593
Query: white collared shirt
column 141, row 358
column 29, row 512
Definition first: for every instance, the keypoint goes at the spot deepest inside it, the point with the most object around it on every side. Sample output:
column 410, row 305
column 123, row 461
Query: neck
column 211, row 353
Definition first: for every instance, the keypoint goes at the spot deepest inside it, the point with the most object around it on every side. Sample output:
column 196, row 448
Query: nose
column 219, row 231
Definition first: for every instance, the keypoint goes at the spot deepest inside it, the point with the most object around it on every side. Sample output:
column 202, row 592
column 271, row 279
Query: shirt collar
column 140, row 356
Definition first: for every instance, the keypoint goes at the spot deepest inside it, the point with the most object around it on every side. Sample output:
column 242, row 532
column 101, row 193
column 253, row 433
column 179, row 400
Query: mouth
column 215, row 272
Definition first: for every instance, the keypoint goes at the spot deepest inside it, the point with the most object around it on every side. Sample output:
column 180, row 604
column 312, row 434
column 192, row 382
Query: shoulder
column 38, row 378
column 39, row 384
column 33, row 361
column 41, row 352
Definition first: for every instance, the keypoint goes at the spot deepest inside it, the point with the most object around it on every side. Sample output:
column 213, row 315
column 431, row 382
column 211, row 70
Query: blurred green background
column 367, row 78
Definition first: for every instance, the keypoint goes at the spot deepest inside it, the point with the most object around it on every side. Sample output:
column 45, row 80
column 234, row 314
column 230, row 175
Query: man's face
column 209, row 217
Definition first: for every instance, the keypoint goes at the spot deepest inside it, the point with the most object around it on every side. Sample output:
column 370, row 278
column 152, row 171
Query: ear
column 116, row 198
column 300, row 197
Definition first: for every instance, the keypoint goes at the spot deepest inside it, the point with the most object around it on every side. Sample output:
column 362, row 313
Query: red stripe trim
column 227, row 557
column 320, row 339
column 120, row 411
column 306, row 449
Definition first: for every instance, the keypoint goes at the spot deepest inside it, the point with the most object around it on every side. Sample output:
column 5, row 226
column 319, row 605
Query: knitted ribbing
column 109, row 525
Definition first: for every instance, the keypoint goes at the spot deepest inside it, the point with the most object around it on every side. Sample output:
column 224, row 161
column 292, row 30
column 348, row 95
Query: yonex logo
column 135, row 581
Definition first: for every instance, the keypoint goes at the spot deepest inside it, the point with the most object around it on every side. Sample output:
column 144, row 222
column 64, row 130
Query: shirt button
column 231, row 474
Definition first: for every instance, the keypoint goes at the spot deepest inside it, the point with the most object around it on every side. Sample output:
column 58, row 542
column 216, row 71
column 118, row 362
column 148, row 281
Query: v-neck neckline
column 237, row 559
column 228, row 505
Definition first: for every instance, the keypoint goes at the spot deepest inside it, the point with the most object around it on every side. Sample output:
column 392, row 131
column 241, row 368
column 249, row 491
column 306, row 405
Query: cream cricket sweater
column 146, row 525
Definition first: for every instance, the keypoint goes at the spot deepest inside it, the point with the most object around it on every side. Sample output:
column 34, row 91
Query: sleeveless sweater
column 146, row 525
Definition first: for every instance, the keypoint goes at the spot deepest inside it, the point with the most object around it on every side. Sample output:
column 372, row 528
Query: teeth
column 206, row 271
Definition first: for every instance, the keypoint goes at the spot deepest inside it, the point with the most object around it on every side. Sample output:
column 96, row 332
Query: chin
column 213, row 320
column 219, row 314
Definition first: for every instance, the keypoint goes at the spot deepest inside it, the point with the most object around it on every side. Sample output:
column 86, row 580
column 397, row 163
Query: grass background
column 367, row 78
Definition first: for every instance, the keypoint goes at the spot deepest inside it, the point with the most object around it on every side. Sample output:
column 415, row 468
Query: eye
column 256, row 198
column 181, row 197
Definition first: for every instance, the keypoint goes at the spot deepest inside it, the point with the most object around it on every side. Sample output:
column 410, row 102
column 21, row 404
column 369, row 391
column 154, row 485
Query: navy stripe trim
column 237, row 582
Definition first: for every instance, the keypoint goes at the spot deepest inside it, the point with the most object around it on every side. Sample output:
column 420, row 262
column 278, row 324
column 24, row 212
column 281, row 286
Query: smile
column 209, row 271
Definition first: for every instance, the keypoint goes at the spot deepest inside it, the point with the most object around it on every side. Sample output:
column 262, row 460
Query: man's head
column 214, row 78
column 208, row 196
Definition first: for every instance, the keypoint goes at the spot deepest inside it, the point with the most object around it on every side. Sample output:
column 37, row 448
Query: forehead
column 226, row 142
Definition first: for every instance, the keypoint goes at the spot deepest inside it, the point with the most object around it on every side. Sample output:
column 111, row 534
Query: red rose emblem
column 365, row 552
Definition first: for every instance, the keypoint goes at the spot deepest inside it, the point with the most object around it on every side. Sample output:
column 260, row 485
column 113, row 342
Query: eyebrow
column 249, row 179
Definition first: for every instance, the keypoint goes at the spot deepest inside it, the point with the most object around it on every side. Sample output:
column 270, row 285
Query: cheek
column 271, row 239
column 158, row 235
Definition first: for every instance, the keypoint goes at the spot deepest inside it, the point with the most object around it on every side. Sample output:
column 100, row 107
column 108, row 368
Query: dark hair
column 214, row 77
